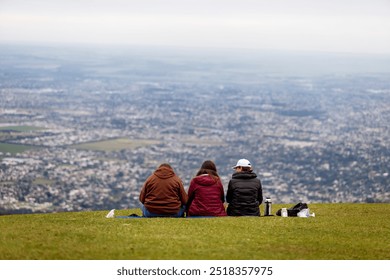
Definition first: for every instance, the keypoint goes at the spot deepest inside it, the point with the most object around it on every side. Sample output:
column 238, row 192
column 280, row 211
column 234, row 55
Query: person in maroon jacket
column 206, row 194
column 163, row 194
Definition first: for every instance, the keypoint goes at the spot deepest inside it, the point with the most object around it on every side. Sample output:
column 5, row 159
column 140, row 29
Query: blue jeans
column 146, row 213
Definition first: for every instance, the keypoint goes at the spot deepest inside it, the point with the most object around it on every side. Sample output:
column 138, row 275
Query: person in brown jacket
column 163, row 194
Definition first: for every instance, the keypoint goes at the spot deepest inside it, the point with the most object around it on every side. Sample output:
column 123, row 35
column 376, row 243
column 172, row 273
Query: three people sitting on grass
column 163, row 194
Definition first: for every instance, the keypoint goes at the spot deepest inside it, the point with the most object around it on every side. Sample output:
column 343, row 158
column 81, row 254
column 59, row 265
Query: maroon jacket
column 205, row 197
column 163, row 192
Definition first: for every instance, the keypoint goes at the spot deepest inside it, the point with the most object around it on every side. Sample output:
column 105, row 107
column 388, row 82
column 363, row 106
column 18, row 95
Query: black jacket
column 244, row 195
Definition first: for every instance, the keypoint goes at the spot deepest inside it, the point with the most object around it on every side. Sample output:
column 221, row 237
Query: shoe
column 111, row 214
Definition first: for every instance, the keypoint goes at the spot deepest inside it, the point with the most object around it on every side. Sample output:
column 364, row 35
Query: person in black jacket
column 245, row 193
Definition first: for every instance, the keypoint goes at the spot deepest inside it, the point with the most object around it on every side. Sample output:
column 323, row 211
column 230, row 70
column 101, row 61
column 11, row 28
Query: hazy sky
column 358, row 26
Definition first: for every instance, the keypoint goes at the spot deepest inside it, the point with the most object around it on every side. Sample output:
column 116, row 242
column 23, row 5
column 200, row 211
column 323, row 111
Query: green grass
column 114, row 144
column 21, row 128
column 43, row 181
column 339, row 231
column 14, row 148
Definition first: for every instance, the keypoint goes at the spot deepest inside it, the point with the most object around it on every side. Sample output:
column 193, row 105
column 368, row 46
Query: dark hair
column 246, row 168
column 208, row 167
column 165, row 165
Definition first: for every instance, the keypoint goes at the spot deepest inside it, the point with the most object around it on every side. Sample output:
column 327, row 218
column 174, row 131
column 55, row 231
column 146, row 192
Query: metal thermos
column 268, row 207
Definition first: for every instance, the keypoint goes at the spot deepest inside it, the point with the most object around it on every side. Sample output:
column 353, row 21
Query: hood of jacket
column 205, row 180
column 164, row 172
column 244, row 175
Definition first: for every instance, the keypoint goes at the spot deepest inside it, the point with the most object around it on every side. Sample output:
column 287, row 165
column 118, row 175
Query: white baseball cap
column 243, row 163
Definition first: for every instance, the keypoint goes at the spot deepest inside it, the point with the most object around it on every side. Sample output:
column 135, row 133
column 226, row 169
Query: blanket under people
column 111, row 214
column 135, row 216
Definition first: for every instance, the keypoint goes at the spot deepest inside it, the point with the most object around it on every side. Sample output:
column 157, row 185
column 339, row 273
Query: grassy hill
column 339, row 231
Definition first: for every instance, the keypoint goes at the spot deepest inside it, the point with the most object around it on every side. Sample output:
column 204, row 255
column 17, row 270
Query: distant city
column 81, row 129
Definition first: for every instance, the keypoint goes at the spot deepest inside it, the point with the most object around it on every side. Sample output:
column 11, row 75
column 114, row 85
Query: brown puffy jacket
column 163, row 192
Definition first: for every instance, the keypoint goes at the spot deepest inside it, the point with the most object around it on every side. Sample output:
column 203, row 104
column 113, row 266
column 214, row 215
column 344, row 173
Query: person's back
column 206, row 196
column 163, row 193
column 245, row 192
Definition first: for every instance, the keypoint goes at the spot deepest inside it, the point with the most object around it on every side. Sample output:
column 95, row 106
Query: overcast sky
column 357, row 26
